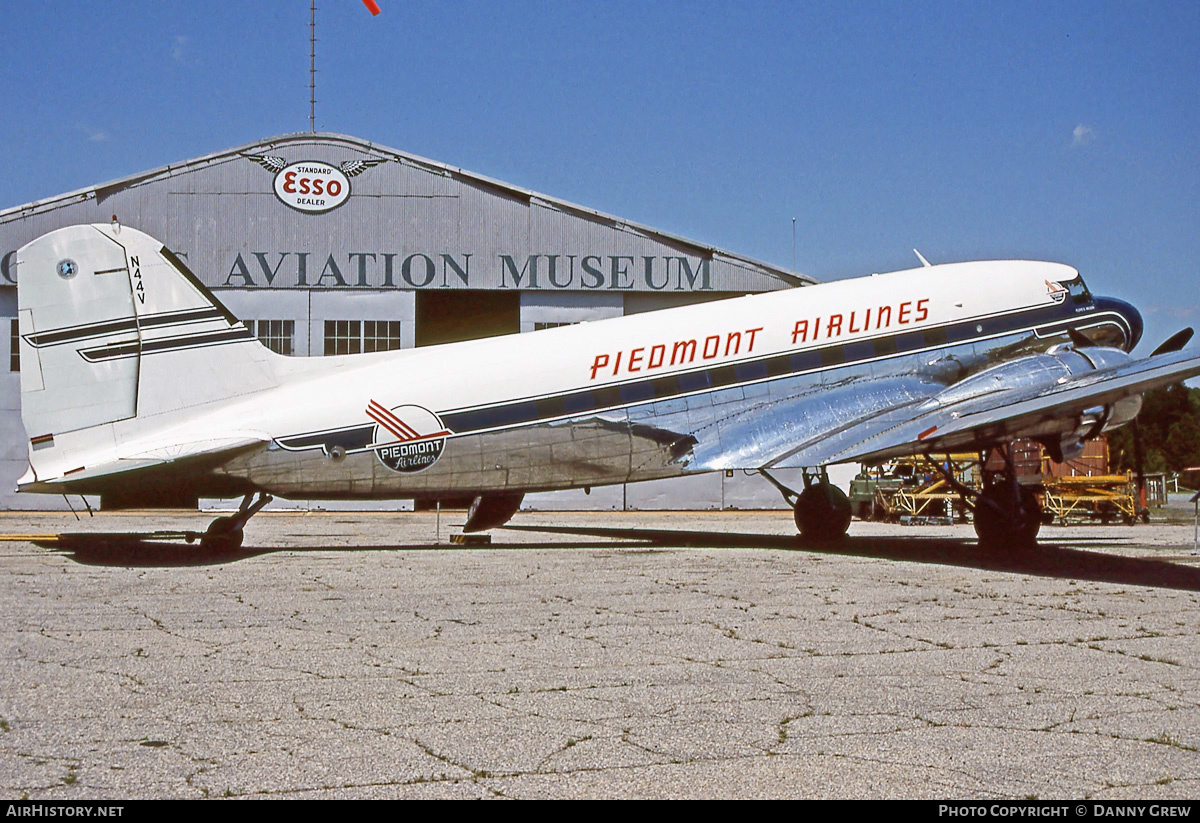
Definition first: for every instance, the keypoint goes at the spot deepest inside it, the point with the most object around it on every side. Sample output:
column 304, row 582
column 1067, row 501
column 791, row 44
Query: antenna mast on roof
column 312, row 67
column 793, row 244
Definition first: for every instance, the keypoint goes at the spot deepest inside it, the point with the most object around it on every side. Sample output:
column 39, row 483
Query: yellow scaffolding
column 1101, row 497
column 920, row 502
column 927, row 492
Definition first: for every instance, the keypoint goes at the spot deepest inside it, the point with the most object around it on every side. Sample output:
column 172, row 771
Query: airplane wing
column 871, row 421
column 943, row 424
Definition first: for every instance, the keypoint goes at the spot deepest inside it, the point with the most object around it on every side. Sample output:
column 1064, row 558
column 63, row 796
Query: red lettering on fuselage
column 816, row 329
column 837, row 325
column 681, row 353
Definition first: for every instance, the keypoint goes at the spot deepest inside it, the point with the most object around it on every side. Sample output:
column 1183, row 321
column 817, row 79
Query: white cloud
column 1082, row 135
column 93, row 134
column 179, row 48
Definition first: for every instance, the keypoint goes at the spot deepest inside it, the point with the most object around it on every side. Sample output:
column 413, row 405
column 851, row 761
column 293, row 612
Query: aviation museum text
column 621, row 272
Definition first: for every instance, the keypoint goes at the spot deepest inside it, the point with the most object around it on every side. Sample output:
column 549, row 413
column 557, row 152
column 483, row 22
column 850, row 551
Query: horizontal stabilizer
column 179, row 462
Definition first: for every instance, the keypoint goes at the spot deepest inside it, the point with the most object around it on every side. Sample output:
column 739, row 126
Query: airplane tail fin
column 114, row 326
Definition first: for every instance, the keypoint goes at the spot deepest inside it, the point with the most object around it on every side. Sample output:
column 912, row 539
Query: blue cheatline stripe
column 729, row 375
column 1045, row 321
column 354, row 438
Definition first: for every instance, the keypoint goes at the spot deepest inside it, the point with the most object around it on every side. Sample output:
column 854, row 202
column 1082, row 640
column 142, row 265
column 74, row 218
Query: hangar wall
column 324, row 244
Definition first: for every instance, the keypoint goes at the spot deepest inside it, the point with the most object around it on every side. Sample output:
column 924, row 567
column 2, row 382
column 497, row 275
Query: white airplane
column 138, row 384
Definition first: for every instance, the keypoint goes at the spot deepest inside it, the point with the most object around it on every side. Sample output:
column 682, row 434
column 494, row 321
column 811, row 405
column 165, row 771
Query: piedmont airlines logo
column 1057, row 291
column 311, row 185
column 407, row 438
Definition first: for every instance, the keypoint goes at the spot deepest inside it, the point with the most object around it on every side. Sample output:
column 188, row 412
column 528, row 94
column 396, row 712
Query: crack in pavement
column 543, row 672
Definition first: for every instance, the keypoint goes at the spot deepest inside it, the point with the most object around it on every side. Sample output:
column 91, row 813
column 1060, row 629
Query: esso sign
column 312, row 186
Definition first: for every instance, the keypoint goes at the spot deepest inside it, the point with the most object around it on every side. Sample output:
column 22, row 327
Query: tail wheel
column 1005, row 521
column 823, row 512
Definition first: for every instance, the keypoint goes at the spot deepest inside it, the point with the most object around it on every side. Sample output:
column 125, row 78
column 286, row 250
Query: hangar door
column 452, row 315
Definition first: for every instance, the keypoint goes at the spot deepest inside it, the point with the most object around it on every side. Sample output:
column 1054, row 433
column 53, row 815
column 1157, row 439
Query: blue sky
column 1059, row 131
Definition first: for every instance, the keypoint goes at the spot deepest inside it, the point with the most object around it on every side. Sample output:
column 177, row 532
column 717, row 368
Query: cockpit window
column 1079, row 291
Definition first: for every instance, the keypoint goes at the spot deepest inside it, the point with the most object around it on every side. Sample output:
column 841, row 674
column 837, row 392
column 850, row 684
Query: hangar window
column 343, row 337
column 381, row 335
column 14, row 346
column 357, row 336
column 538, row 326
column 276, row 335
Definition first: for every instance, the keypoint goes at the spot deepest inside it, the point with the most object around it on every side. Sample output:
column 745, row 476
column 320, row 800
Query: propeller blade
column 1081, row 340
column 1175, row 342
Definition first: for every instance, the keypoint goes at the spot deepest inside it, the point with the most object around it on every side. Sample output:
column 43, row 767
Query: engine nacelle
column 1066, row 434
column 1055, row 366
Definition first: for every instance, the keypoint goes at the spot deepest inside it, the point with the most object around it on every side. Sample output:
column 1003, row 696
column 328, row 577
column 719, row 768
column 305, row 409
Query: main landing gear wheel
column 822, row 512
column 1007, row 521
column 222, row 535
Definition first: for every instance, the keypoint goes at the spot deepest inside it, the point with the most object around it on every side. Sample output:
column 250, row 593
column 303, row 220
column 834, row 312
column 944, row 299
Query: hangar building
column 327, row 244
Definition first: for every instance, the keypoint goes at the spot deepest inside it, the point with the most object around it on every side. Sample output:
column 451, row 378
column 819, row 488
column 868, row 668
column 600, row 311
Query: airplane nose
column 1132, row 317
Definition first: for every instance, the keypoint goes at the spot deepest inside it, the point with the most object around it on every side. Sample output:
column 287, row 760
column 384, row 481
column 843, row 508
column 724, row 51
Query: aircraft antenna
column 312, row 66
column 793, row 244
column 921, row 257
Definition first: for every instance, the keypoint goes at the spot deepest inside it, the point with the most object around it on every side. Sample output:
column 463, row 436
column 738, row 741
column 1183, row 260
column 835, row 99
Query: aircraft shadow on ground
column 141, row 551
column 132, row 550
column 1051, row 559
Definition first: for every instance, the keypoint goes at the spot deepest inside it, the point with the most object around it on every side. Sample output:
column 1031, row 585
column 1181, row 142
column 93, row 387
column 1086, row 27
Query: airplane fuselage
column 648, row 396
